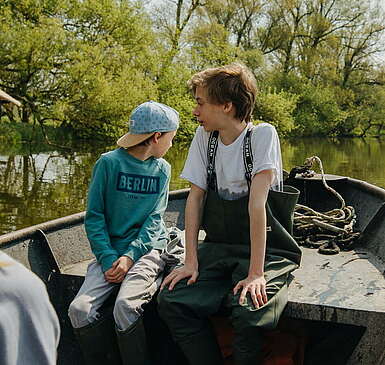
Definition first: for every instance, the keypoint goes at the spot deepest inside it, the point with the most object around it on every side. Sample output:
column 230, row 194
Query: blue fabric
column 153, row 117
column 126, row 201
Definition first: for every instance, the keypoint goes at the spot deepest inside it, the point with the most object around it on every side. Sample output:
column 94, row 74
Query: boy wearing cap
column 244, row 262
column 127, row 197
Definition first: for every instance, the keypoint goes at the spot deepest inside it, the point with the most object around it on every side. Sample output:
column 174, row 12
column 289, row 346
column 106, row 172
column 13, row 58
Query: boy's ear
column 228, row 107
column 156, row 136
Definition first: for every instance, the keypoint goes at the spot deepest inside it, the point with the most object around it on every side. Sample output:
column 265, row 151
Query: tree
column 85, row 64
column 173, row 18
column 33, row 48
column 111, row 67
column 238, row 17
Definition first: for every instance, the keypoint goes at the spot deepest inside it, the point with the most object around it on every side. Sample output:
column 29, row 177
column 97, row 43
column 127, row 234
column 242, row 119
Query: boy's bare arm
column 193, row 215
column 255, row 282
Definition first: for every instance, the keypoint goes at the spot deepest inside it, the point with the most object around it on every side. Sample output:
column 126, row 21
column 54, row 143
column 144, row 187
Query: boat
column 339, row 300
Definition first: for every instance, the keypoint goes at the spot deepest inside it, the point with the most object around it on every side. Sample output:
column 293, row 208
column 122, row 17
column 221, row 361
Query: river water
column 40, row 183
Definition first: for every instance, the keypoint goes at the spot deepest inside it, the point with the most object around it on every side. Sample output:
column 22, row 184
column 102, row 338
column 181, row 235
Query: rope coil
column 328, row 231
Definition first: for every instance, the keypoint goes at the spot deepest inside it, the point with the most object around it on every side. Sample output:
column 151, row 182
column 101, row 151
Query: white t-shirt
column 229, row 165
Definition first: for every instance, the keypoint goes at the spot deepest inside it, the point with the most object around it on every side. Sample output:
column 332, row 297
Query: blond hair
column 233, row 83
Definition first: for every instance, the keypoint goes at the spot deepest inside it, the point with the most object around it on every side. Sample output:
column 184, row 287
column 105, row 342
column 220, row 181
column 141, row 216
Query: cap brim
column 130, row 140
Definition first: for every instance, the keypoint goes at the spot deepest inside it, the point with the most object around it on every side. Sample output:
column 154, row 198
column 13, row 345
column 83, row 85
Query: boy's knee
column 172, row 305
column 78, row 312
column 126, row 312
column 124, row 306
column 245, row 319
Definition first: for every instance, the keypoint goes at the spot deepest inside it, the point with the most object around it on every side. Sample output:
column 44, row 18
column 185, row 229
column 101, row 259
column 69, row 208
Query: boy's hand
column 118, row 270
column 256, row 286
column 185, row 271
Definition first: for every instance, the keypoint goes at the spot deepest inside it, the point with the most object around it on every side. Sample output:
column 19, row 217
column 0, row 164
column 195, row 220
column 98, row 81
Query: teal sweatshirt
column 126, row 201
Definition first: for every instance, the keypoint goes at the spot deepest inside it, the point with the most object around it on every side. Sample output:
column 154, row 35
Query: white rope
column 337, row 222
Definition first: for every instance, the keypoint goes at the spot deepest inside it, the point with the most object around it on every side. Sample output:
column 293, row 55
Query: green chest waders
column 227, row 224
column 227, row 221
column 224, row 259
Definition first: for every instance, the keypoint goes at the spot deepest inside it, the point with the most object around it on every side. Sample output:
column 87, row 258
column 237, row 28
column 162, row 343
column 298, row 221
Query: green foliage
column 108, row 68
column 318, row 112
column 31, row 55
column 368, row 118
column 276, row 108
column 211, row 47
column 179, row 97
column 34, row 133
column 8, row 135
column 86, row 64
column 102, row 93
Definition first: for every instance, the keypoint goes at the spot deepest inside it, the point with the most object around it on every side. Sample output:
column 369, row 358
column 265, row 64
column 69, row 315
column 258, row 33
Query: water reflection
column 38, row 184
column 358, row 158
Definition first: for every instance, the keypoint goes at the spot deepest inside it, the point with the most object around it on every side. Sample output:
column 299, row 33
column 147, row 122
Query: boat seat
column 351, row 280
column 77, row 269
column 80, row 268
column 69, row 247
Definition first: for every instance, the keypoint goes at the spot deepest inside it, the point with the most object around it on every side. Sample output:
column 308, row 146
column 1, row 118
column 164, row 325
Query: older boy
column 124, row 223
column 231, row 165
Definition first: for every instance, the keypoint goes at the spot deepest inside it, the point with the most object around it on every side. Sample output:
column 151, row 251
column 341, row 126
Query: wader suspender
column 212, row 150
column 248, row 156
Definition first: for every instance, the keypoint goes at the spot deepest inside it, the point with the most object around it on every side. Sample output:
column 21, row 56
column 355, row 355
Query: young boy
column 232, row 166
column 127, row 197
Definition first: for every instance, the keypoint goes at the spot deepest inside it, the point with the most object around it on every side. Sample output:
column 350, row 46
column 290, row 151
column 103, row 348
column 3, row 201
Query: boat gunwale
column 69, row 220
column 375, row 190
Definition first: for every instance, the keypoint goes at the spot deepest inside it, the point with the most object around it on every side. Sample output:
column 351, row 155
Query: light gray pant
column 136, row 290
